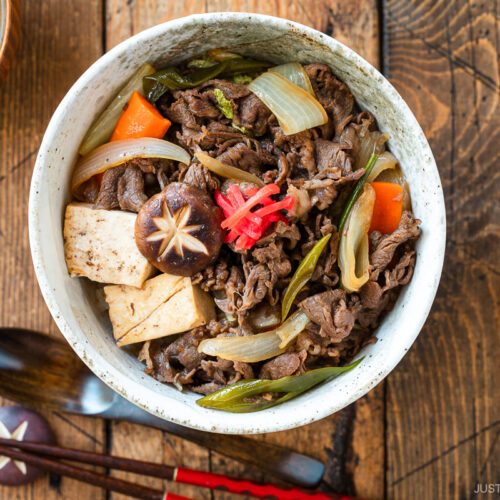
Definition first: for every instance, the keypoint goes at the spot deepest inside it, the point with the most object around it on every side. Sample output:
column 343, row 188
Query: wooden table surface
column 431, row 430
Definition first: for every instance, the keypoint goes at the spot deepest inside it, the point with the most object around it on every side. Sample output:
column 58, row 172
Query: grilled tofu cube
column 166, row 305
column 100, row 245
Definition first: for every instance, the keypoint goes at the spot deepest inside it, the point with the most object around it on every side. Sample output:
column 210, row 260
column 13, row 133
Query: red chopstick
column 87, row 476
column 179, row 474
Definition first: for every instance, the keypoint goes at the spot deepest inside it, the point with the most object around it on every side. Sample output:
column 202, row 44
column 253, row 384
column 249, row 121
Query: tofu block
column 129, row 306
column 100, row 245
column 166, row 305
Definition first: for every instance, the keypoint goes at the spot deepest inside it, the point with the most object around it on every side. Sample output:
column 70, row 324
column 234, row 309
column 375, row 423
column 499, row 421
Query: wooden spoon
column 38, row 370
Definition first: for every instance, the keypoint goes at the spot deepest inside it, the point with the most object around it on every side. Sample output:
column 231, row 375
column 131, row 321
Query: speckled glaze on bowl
column 72, row 301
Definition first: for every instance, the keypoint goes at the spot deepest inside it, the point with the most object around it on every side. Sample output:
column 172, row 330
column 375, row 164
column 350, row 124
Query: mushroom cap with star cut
column 22, row 424
column 179, row 230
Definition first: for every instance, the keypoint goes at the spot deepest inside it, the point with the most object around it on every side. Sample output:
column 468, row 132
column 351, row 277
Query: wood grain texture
column 443, row 401
column 438, row 434
column 9, row 39
column 59, row 40
column 351, row 442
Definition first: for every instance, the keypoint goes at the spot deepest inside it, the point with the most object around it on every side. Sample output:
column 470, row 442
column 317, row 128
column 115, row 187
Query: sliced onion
column 354, row 245
column 295, row 109
column 264, row 317
column 296, row 73
column 371, row 142
column 222, row 55
column 228, row 171
column 249, row 349
column 114, row 153
column 384, row 161
column 292, row 327
column 396, row 176
column 103, row 127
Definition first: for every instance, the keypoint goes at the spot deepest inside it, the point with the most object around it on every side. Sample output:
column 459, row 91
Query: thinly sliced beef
column 329, row 311
column 371, row 293
column 201, row 104
column 259, row 284
column 131, row 195
column 283, row 366
column 130, row 185
column 333, row 95
column 90, row 190
column 199, row 176
column 299, row 148
column 323, row 192
column 290, row 235
column 242, row 156
column 207, row 388
column 383, row 253
column 231, row 90
column 331, row 159
column 233, row 288
column 210, row 136
column 213, row 278
column 179, row 112
column 174, row 362
column 275, row 258
column 180, row 363
column 252, row 114
column 108, row 192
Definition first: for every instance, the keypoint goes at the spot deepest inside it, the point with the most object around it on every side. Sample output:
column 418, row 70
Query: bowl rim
column 109, row 374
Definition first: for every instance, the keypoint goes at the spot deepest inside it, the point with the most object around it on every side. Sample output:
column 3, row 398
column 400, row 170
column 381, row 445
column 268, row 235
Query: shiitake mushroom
column 179, row 230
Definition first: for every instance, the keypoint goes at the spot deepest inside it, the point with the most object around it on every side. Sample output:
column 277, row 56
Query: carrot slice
column 140, row 119
column 388, row 207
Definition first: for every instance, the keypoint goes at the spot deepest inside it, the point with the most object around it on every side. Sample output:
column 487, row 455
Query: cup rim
column 214, row 421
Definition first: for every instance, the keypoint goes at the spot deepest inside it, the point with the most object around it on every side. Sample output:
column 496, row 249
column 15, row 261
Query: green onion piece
column 249, row 395
column 201, row 62
column 157, row 84
column 226, row 108
column 302, row 275
column 356, row 191
column 222, row 55
column 240, row 65
column 242, row 79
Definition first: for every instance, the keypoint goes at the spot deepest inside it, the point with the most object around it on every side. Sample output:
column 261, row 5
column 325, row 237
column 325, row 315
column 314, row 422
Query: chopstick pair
column 30, row 452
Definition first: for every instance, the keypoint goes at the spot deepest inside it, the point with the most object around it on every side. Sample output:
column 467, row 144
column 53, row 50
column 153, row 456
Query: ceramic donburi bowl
column 72, row 302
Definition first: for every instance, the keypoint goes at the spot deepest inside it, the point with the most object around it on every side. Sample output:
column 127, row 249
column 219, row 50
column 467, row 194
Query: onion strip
column 295, row 109
column 102, row 128
column 294, row 325
column 354, row 244
column 228, row 171
column 384, row 161
column 117, row 152
column 296, row 73
column 249, row 349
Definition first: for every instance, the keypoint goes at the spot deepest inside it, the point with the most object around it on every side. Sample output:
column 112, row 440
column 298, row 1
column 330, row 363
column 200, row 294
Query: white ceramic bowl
column 71, row 300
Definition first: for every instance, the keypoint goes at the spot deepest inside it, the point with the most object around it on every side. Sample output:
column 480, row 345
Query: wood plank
column 59, row 41
column 350, row 442
column 443, row 404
